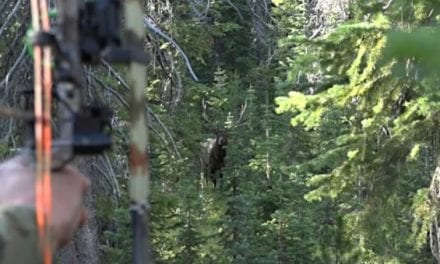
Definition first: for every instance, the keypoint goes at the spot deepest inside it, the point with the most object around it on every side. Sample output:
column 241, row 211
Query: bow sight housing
column 84, row 129
column 99, row 27
column 100, row 34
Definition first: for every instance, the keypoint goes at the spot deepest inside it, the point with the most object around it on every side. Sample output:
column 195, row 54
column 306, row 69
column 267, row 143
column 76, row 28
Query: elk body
column 213, row 157
column 214, row 149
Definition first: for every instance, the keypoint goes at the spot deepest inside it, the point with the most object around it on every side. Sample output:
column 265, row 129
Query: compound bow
column 86, row 34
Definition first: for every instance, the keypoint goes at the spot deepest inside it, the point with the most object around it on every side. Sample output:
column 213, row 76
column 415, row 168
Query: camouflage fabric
column 18, row 236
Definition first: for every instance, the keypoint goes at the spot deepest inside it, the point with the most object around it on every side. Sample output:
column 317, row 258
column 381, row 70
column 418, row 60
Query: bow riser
column 87, row 34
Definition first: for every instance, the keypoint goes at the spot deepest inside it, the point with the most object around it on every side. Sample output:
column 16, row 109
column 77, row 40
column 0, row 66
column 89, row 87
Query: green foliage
column 420, row 45
column 374, row 99
column 117, row 234
column 4, row 150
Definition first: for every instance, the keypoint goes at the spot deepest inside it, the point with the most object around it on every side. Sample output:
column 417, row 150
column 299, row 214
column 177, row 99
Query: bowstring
column 43, row 130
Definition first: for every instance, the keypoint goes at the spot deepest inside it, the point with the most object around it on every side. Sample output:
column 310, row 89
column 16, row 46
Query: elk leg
column 213, row 177
column 220, row 177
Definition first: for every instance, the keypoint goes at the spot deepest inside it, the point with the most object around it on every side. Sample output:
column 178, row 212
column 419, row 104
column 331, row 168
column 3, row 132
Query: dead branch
column 9, row 17
column 148, row 110
column 201, row 15
column 13, row 68
column 236, row 9
column 149, row 24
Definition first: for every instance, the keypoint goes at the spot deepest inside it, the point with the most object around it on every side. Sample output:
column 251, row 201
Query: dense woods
column 283, row 131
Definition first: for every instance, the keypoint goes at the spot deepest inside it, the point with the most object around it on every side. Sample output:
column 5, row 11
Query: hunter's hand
column 17, row 187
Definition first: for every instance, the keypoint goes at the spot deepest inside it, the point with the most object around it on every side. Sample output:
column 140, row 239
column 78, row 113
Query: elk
column 214, row 149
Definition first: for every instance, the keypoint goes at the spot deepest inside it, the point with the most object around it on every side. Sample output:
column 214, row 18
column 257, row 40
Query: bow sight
column 84, row 129
column 99, row 29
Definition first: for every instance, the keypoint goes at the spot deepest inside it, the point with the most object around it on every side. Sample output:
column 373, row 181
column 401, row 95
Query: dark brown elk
column 213, row 156
column 214, row 149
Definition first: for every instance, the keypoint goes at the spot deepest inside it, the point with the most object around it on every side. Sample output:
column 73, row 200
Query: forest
column 283, row 131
